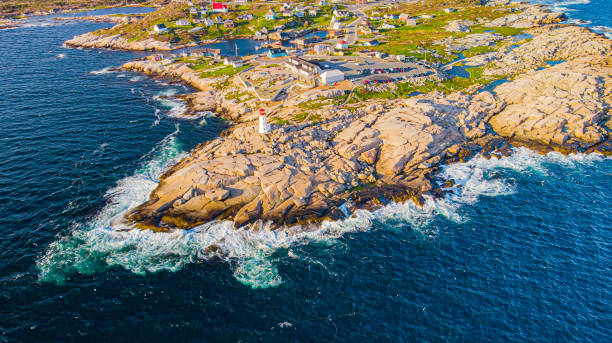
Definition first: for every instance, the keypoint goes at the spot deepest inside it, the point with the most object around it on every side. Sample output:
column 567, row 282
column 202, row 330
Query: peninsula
column 352, row 105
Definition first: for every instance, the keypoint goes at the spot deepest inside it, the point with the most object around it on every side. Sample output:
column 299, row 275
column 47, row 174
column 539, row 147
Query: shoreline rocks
column 560, row 106
column 90, row 40
column 304, row 173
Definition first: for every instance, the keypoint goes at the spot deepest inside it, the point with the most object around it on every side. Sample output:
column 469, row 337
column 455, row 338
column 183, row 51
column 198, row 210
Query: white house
column 208, row 22
column 234, row 61
column 160, row 28
column 411, row 22
column 332, row 76
column 182, row 22
column 271, row 15
column 196, row 29
column 387, row 26
column 342, row 45
column 321, row 49
column 380, row 54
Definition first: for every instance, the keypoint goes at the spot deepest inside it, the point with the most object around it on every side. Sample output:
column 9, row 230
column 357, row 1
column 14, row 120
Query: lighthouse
column 263, row 122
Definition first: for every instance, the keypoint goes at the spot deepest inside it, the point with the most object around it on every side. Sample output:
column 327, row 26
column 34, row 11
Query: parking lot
column 369, row 70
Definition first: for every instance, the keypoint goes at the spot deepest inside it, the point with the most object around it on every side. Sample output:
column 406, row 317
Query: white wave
column 121, row 75
column 579, row 22
column 176, row 108
column 103, row 243
column 136, row 78
column 106, row 70
column 605, row 30
column 167, row 92
column 61, row 56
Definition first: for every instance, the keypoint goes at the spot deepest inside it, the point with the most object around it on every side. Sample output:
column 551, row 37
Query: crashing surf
column 100, row 244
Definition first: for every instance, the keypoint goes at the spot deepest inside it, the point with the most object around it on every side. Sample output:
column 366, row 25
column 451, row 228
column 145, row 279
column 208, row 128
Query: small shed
column 160, row 28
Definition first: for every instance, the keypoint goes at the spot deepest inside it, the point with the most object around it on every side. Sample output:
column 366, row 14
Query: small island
column 353, row 105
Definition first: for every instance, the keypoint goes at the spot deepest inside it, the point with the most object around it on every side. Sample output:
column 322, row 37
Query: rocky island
column 526, row 78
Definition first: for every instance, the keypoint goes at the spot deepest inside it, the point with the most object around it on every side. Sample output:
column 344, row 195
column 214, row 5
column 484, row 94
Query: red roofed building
column 342, row 45
column 219, row 7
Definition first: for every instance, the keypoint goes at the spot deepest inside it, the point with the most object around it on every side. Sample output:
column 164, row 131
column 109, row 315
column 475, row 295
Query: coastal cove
column 484, row 239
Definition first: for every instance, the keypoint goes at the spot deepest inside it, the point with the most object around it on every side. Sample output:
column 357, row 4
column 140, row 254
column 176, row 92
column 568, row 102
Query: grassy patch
column 452, row 85
column 364, row 94
column 279, row 121
column 222, row 70
column 478, row 50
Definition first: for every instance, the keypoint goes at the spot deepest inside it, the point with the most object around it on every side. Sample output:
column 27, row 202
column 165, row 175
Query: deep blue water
column 521, row 253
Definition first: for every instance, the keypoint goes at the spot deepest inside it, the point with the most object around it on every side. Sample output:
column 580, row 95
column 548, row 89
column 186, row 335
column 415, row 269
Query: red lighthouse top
column 261, row 112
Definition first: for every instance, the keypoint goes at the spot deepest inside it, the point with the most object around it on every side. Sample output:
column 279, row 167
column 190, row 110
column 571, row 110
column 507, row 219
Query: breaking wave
column 175, row 108
column 107, row 70
column 100, row 244
column 605, row 30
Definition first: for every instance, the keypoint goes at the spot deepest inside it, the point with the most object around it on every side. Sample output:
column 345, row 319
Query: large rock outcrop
column 90, row 40
column 531, row 16
column 552, row 44
column 304, row 173
column 561, row 106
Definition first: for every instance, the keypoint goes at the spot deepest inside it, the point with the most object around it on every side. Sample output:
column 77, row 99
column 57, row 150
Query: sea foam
column 100, row 244
column 106, row 70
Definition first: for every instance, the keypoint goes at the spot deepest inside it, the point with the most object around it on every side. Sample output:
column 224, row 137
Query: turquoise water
column 520, row 252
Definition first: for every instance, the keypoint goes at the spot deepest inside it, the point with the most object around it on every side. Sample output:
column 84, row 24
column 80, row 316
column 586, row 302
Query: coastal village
column 350, row 104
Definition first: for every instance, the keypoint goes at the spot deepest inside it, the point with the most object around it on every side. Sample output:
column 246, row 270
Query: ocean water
column 520, row 251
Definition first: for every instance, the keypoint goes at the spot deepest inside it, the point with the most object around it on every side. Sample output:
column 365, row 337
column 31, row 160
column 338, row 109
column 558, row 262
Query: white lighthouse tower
column 263, row 122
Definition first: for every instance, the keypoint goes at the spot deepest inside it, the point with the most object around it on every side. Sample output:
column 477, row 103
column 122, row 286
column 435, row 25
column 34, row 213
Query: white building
column 332, row 76
column 321, row 49
column 182, row 22
column 342, row 45
column 160, row 28
column 234, row 61
column 263, row 122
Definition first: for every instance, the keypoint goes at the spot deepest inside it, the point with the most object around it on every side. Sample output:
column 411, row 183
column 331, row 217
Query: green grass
column 226, row 70
column 478, row 50
column 312, row 104
column 300, row 116
column 452, row 85
column 279, row 121
column 500, row 30
column 364, row 94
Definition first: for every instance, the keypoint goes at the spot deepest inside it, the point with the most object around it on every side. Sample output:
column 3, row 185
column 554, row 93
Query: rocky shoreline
column 386, row 150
